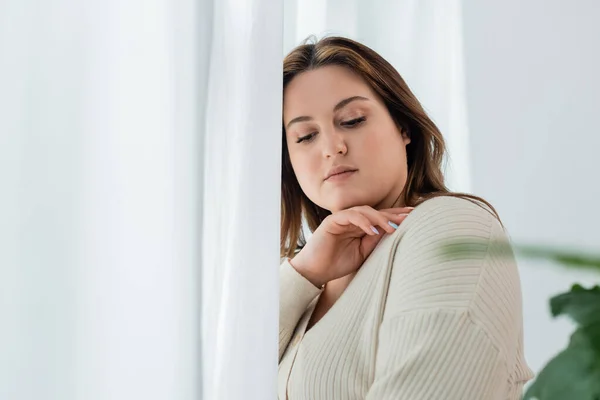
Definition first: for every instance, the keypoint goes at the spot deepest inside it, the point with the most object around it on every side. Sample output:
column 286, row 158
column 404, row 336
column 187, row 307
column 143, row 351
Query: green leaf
column 582, row 305
column 571, row 258
column 575, row 372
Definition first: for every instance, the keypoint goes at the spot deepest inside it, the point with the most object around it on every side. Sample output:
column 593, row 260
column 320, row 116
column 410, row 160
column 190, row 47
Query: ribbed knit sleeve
column 451, row 323
column 295, row 294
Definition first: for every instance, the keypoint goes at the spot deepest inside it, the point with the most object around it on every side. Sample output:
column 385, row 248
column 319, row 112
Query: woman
column 372, row 306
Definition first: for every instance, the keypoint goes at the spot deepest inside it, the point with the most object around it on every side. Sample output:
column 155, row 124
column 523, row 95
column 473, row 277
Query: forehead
column 319, row 90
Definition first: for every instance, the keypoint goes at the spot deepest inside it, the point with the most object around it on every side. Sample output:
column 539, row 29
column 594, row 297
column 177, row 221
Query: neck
column 391, row 201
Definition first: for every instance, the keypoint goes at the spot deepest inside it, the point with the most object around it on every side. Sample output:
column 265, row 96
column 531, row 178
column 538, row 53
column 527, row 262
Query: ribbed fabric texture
column 415, row 322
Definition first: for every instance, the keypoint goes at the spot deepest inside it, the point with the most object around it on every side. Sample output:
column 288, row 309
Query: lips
column 340, row 173
column 339, row 169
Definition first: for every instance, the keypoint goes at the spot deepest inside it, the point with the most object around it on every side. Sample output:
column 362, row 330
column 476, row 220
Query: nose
column 334, row 143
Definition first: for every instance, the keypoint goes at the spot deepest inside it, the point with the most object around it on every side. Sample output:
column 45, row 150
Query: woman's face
column 332, row 117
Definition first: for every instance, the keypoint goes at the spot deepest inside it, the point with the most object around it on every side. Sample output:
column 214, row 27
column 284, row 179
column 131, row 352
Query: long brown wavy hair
column 425, row 152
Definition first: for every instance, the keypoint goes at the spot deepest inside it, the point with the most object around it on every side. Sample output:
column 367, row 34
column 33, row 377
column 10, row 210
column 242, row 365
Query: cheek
column 306, row 169
column 373, row 144
column 384, row 149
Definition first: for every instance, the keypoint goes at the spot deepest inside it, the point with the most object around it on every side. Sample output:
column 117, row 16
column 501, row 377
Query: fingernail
column 393, row 225
column 374, row 229
column 403, row 214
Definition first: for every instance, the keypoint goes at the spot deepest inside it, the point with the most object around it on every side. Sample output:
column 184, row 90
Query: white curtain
column 139, row 175
column 242, row 201
column 422, row 39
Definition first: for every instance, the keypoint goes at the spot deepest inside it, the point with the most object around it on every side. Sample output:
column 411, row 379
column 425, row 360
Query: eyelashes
column 354, row 122
column 305, row 138
column 349, row 124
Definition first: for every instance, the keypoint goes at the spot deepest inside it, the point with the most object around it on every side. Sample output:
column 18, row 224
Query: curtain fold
column 99, row 231
column 241, row 201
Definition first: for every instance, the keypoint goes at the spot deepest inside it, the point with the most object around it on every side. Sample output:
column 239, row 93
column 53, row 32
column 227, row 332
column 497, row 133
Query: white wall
column 533, row 95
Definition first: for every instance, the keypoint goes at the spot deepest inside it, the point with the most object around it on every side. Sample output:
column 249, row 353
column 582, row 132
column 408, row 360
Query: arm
column 295, row 294
column 444, row 355
column 451, row 322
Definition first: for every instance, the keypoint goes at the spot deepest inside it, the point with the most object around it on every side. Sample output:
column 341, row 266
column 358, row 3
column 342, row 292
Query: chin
column 345, row 203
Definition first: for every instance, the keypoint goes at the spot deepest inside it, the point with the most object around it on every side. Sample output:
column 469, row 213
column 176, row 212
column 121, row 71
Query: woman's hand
column 343, row 241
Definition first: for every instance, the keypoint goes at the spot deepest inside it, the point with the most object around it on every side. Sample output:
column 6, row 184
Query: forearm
column 295, row 294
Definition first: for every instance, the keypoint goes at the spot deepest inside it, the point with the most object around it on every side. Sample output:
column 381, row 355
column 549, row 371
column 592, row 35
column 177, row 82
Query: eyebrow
column 338, row 106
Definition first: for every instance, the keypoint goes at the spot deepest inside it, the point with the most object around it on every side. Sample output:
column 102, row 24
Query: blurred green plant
column 574, row 373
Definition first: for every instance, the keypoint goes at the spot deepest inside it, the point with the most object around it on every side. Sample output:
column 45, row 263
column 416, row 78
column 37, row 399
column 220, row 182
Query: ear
column 405, row 136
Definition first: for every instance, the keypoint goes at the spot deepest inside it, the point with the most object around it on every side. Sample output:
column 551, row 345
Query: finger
column 398, row 210
column 352, row 222
column 363, row 222
column 378, row 218
column 396, row 217
column 368, row 244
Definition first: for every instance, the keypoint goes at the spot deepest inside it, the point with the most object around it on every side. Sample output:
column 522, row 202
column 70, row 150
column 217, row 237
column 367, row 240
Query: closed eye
column 350, row 124
column 307, row 137
column 353, row 122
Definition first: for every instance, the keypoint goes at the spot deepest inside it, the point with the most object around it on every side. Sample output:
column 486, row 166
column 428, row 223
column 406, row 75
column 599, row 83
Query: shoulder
column 442, row 208
column 454, row 255
column 447, row 253
column 447, row 217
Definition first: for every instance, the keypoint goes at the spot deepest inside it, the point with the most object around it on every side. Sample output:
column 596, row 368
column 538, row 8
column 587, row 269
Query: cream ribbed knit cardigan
column 413, row 324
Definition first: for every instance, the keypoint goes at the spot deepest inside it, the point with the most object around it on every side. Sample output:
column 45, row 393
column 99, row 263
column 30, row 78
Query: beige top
column 413, row 324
